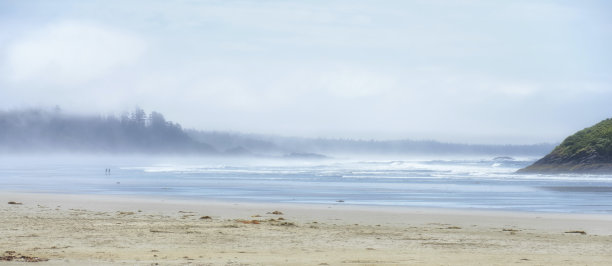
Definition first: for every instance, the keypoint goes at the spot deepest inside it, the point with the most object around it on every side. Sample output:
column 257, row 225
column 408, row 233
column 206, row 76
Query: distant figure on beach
column 107, row 171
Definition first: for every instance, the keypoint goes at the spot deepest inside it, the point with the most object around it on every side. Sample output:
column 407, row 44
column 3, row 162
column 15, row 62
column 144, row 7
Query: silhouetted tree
column 37, row 129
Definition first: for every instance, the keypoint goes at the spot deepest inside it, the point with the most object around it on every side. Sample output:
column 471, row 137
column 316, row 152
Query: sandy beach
column 59, row 229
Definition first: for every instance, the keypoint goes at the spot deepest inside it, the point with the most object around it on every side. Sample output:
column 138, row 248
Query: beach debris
column 13, row 256
column 359, row 261
column 248, row 221
column 256, row 215
column 205, row 217
column 576, row 232
column 276, row 213
column 125, row 213
column 286, row 224
column 14, row 203
column 512, row 231
column 340, row 201
column 509, row 230
column 158, row 231
column 453, row 227
column 229, row 226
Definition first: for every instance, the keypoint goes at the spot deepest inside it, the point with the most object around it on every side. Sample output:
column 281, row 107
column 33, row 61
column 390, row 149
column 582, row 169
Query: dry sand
column 86, row 230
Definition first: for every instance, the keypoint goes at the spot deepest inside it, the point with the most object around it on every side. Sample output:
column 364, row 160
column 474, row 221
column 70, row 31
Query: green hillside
column 587, row 151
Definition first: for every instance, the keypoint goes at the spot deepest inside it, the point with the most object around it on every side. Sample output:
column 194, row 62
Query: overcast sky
column 462, row 71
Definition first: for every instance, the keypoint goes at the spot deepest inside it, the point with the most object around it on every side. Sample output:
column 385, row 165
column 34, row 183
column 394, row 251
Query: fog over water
column 136, row 132
column 394, row 103
column 460, row 182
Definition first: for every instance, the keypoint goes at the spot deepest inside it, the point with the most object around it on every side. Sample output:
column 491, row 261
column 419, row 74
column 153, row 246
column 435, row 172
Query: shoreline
column 179, row 199
column 105, row 229
column 231, row 209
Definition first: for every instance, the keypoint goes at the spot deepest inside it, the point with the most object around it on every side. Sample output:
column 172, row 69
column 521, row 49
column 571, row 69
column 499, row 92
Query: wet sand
column 90, row 229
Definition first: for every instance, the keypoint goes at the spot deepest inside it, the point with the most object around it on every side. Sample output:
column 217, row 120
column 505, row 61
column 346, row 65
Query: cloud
column 255, row 86
column 70, row 52
column 354, row 83
column 324, row 69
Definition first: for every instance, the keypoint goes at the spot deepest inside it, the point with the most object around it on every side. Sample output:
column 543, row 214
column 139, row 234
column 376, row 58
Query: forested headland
column 52, row 130
column 43, row 130
column 587, row 151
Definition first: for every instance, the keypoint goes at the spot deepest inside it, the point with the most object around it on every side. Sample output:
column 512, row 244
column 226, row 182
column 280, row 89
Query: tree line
column 53, row 130
column 140, row 132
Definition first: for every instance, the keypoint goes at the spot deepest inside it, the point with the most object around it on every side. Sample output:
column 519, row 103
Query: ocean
column 465, row 183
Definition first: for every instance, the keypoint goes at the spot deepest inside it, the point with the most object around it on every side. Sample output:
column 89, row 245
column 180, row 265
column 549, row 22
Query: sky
column 469, row 71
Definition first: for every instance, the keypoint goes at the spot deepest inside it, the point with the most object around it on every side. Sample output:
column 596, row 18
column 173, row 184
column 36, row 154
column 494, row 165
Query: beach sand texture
column 85, row 230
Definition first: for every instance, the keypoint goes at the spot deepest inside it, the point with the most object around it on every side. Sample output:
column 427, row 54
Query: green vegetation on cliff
column 587, row 151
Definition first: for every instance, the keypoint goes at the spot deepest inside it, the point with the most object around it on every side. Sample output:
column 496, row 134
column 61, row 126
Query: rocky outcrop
column 587, row 151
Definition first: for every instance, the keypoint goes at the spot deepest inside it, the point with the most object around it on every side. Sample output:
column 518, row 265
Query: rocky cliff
column 587, row 151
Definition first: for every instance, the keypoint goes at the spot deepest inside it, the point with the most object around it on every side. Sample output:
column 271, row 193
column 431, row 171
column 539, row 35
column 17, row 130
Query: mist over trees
column 41, row 130
column 52, row 130
column 278, row 145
